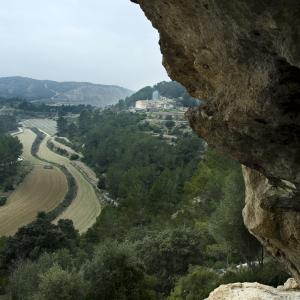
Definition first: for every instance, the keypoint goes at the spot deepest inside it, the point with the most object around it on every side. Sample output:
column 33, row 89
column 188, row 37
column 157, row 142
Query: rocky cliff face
column 243, row 57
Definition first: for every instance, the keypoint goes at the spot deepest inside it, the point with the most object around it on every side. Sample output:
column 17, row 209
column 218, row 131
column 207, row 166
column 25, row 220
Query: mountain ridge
column 66, row 92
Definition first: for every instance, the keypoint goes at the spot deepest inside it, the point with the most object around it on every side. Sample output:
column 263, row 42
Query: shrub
column 3, row 201
column 74, row 156
column 40, row 236
column 101, row 182
column 58, row 284
column 52, row 276
column 168, row 254
column 270, row 274
column 116, row 273
column 8, row 187
column 196, row 285
column 170, row 124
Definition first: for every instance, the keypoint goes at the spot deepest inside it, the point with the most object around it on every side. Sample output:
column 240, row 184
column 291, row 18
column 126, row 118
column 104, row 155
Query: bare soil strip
column 41, row 190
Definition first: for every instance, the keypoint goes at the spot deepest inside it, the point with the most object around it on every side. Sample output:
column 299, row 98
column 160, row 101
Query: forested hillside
column 170, row 228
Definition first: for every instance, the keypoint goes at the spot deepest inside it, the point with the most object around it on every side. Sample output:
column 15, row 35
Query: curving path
column 41, row 190
column 85, row 208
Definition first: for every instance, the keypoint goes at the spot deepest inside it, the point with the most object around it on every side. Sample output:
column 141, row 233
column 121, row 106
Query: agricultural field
column 48, row 126
column 85, row 208
column 41, row 190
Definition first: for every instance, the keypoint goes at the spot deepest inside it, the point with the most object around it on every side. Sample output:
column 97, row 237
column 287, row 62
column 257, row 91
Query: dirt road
column 85, row 208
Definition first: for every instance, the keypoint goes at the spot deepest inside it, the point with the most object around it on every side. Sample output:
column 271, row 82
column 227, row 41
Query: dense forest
column 10, row 151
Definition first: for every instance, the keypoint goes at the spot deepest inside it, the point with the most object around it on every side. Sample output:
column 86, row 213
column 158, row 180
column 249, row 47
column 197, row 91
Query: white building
column 163, row 103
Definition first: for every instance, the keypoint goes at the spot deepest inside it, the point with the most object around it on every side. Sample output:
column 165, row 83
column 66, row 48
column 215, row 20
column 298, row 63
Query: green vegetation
column 7, row 123
column 171, row 228
column 56, row 149
column 63, row 141
column 72, row 185
column 74, row 156
column 3, row 200
column 22, row 108
column 40, row 236
column 61, row 110
column 196, row 285
column 10, row 151
column 69, row 197
column 36, row 144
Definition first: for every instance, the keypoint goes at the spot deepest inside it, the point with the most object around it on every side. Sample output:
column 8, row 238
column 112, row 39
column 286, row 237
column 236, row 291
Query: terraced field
column 85, row 208
column 41, row 190
column 46, row 125
column 67, row 148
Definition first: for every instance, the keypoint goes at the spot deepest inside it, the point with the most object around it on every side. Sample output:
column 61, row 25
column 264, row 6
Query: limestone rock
column 290, row 284
column 251, row 291
column 243, row 57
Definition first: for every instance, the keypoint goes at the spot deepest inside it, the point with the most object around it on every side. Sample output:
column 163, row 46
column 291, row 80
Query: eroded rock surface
column 252, row 291
column 243, row 57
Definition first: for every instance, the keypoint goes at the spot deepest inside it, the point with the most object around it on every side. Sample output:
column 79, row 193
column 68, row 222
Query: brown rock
column 243, row 58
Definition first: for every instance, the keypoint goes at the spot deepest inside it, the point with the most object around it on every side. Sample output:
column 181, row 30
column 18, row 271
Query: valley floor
column 85, row 208
column 43, row 189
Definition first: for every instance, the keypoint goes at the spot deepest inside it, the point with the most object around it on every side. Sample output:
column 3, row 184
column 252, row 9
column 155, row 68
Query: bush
column 102, row 182
column 62, row 152
column 116, row 273
column 168, row 254
column 52, row 276
column 63, row 141
column 40, row 236
column 4, row 281
column 38, row 140
column 170, row 124
column 270, row 274
column 69, row 197
column 8, row 187
column 196, row 285
column 3, row 201
column 74, row 156
column 58, row 284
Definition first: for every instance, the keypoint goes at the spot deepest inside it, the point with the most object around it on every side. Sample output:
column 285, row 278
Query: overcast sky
column 101, row 41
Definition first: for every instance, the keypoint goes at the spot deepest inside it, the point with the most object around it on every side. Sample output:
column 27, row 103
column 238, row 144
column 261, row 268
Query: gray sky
column 101, row 41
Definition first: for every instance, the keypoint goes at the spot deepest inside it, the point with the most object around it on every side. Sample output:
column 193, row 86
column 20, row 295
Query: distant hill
column 168, row 89
column 62, row 92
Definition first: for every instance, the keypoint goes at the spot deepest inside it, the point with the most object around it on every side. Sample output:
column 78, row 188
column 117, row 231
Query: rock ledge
column 255, row 291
